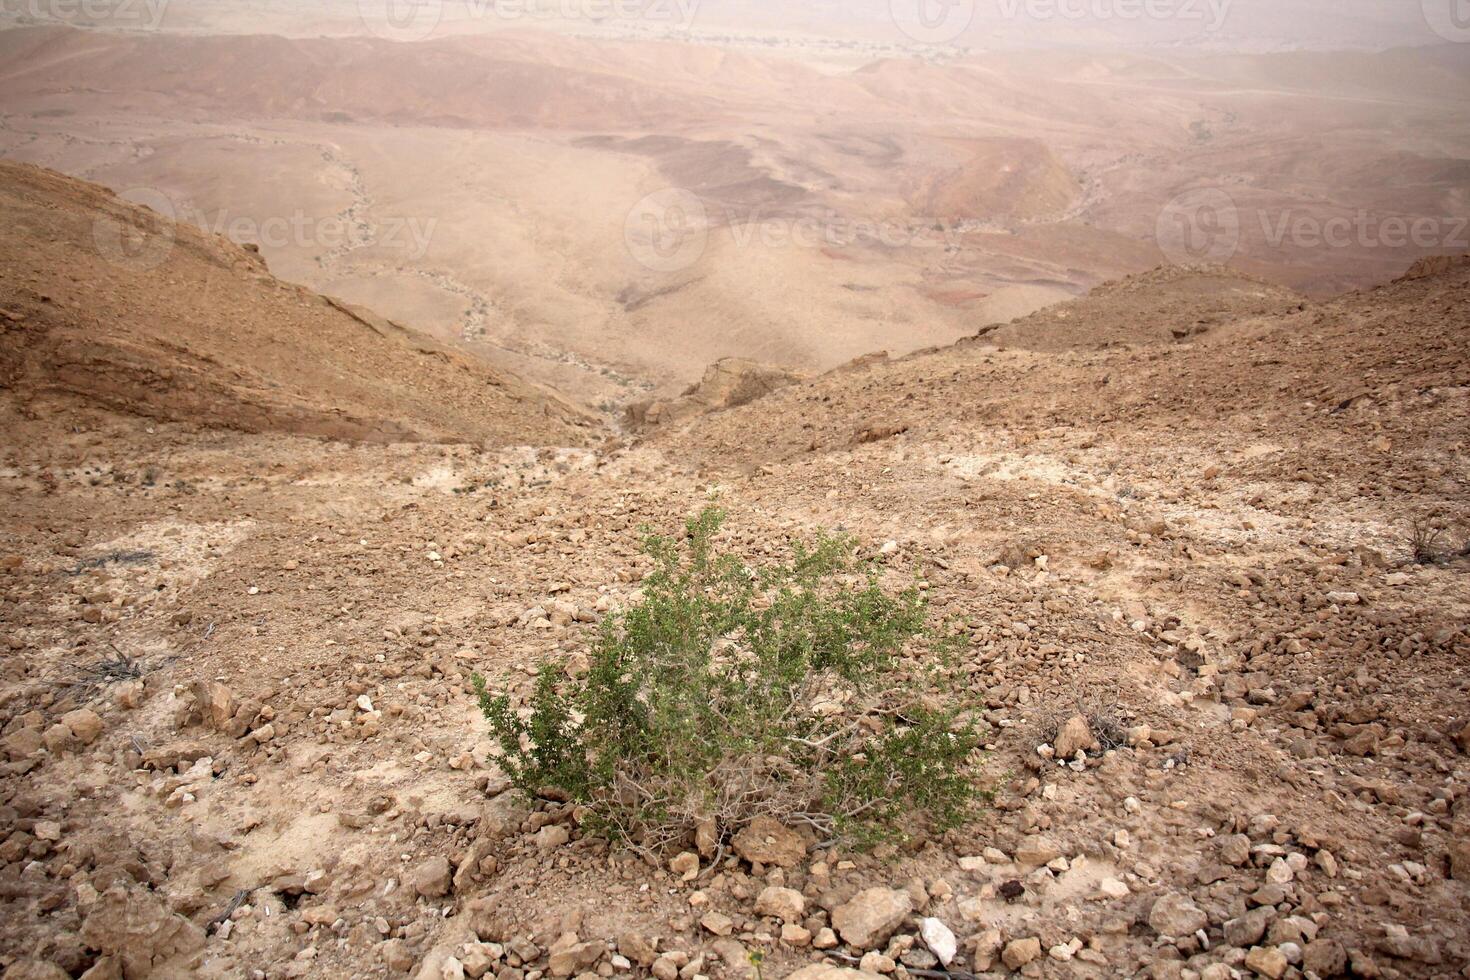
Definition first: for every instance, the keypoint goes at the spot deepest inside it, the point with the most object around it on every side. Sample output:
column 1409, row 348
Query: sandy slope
column 115, row 305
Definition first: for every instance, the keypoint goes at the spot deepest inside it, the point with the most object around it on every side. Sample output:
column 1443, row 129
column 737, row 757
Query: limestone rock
column 766, row 841
column 786, row 904
column 1175, row 915
column 139, row 930
column 1019, row 952
column 826, row 971
column 1324, row 957
column 1037, row 850
column 572, row 959
column 1268, row 961
column 638, row 948
column 1075, row 736
column 871, row 916
column 940, row 939
column 84, row 724
column 431, row 878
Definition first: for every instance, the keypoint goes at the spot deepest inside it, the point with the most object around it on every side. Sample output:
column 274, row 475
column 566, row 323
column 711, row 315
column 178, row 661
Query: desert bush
column 800, row 689
column 1425, row 543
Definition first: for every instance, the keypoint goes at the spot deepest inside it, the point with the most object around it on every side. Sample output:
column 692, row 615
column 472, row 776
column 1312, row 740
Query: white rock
column 940, row 940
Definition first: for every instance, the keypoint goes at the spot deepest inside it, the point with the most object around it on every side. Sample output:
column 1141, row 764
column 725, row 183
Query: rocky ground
column 1227, row 708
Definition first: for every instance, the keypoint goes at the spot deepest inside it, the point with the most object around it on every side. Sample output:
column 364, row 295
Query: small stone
column 320, row 915
column 871, row 916
column 24, row 743
column 1462, row 738
column 1324, row 957
column 638, row 948
column 718, row 923
column 1235, row 849
column 767, row 841
column 685, row 865
column 1074, row 736
column 1267, row 961
column 1112, row 888
column 1036, row 851
column 1280, row 872
column 1246, row 930
column 786, row 904
column 795, row 935
column 59, row 739
column 1175, row 915
column 573, row 958
column 1459, row 855
column 1399, row 943
column 940, row 939
column 431, row 878
column 1019, row 952
column 552, row 836
column 479, row 958
column 84, row 724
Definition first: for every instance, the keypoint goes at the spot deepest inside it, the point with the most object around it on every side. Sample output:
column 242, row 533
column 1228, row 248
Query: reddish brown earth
column 235, row 715
column 109, row 304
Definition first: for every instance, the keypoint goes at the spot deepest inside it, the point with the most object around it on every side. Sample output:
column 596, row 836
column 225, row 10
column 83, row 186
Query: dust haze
column 608, row 195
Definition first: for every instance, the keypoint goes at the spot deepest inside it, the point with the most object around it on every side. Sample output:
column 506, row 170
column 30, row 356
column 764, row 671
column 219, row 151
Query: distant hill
column 108, row 303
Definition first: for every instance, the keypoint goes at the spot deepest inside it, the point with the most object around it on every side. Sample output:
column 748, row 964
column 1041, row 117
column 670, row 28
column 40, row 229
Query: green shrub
column 800, row 689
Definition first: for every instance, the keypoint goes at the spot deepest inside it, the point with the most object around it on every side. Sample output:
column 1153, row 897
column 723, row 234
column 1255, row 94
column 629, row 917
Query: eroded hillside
column 1225, row 707
column 109, row 303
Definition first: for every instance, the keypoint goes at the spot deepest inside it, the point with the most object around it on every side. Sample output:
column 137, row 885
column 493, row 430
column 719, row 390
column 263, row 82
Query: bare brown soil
column 236, row 721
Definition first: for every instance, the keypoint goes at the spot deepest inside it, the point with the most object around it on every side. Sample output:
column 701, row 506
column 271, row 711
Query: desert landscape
column 609, row 215
column 727, row 490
